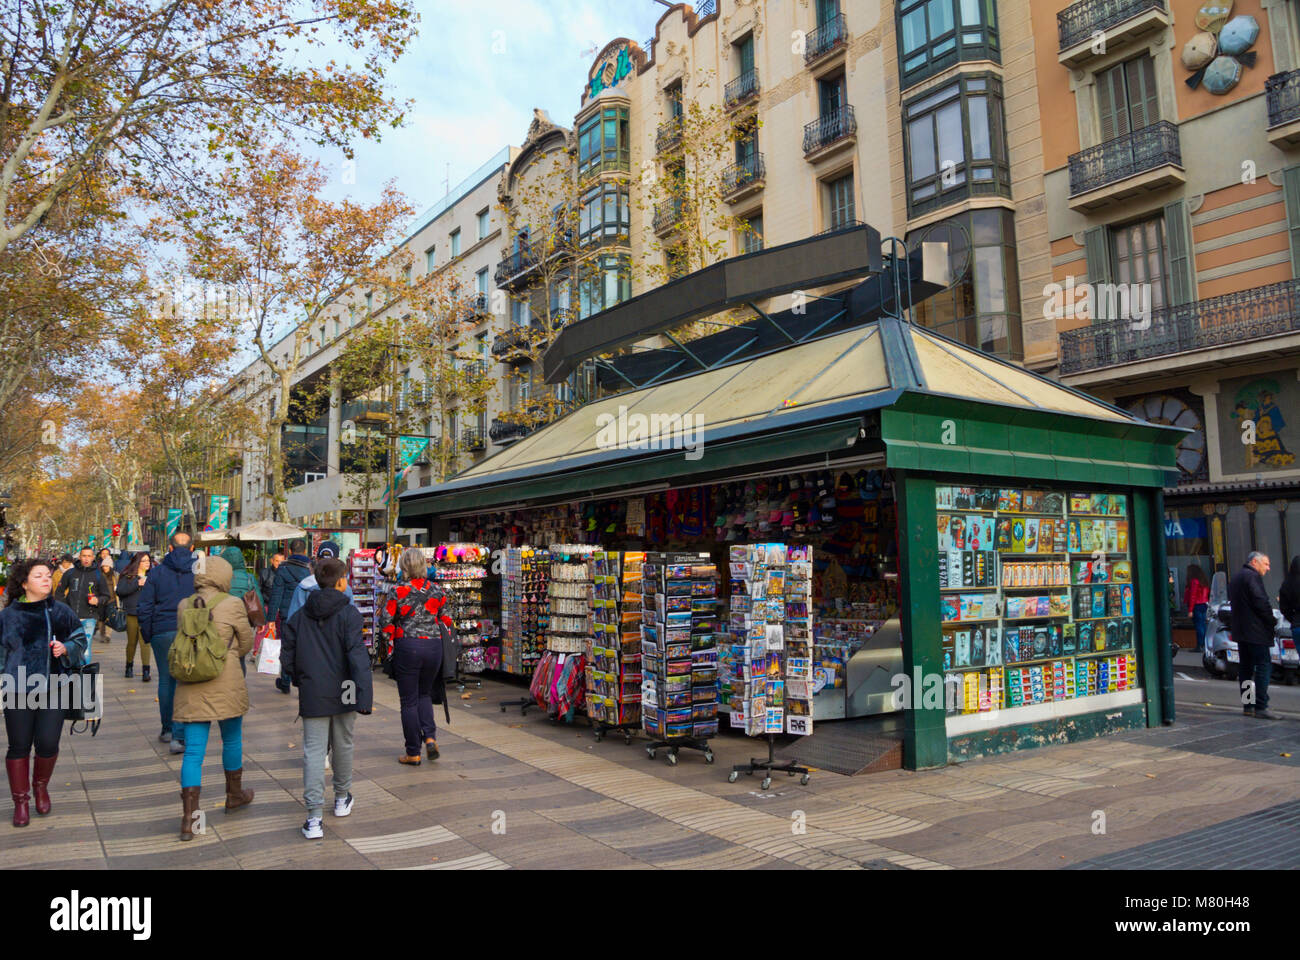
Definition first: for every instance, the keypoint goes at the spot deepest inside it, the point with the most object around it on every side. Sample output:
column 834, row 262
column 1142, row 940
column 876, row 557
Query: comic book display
column 1036, row 593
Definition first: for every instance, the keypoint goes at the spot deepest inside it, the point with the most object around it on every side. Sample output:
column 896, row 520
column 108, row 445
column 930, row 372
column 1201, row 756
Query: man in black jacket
column 266, row 578
column 287, row 577
column 1252, row 628
column 166, row 586
column 324, row 655
column 82, row 588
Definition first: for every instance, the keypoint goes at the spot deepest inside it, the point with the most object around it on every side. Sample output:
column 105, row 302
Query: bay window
column 955, row 144
column 935, row 34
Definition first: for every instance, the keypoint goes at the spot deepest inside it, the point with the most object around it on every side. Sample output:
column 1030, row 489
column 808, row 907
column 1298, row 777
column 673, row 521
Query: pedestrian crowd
column 197, row 617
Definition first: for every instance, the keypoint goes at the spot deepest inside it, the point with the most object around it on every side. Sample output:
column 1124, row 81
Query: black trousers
column 1256, row 664
column 417, row 665
column 27, row 728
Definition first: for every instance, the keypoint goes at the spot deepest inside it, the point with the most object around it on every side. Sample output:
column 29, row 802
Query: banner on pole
column 173, row 522
column 218, row 512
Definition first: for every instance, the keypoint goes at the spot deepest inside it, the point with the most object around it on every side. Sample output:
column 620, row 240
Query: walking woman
column 1197, row 598
column 104, row 631
column 39, row 637
column 413, row 617
column 223, row 698
column 128, row 592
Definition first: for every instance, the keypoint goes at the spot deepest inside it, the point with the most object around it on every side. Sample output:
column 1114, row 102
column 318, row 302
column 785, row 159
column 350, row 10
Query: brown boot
column 19, row 772
column 41, row 783
column 190, row 802
column 236, row 795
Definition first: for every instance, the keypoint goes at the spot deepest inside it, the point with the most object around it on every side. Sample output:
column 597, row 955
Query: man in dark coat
column 325, row 657
column 82, row 587
column 167, row 585
column 266, row 578
column 1252, row 628
column 297, row 567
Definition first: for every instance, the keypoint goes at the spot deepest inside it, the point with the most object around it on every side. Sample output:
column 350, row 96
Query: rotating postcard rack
column 679, row 654
column 614, row 653
column 771, row 626
column 363, row 578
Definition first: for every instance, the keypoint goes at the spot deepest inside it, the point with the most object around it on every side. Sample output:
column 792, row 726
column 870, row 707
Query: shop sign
column 610, row 70
column 1187, row 528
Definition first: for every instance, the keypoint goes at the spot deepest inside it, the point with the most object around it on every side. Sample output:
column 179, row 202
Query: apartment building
column 1172, row 185
column 328, row 453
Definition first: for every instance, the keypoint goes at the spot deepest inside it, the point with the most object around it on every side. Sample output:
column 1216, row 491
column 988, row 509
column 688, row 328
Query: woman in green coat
column 241, row 581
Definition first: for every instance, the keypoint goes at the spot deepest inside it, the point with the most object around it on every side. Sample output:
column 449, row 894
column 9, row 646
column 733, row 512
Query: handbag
column 253, row 608
column 117, row 618
column 268, row 657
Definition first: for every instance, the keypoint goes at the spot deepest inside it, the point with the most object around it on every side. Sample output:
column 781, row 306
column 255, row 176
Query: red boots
column 19, row 772
column 41, row 783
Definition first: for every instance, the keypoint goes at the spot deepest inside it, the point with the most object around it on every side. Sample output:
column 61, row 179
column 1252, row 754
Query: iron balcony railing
column 1231, row 318
column 829, row 35
column 1079, row 21
column 669, row 134
column 476, row 306
column 511, row 341
column 829, row 127
column 1145, row 149
column 474, row 368
column 667, row 214
column 743, row 173
column 743, row 88
column 706, row 9
column 471, row 439
column 1282, row 90
column 503, row 431
column 515, row 264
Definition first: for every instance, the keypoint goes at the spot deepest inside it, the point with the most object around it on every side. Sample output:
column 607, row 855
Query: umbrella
column 213, row 536
column 267, row 530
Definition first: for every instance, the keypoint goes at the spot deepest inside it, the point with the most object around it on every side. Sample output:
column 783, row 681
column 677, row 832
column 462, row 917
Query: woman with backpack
column 212, row 635
column 39, row 637
column 128, row 593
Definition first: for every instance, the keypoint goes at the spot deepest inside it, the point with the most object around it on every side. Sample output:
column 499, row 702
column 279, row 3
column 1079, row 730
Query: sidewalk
column 522, row 791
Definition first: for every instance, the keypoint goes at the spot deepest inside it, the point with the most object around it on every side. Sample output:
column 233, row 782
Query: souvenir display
column 460, row 569
column 364, row 579
column 771, row 675
column 614, row 653
column 524, row 608
column 1041, row 642
column 680, row 626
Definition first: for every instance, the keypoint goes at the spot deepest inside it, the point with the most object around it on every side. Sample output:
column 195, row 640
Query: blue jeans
column 196, row 747
column 1198, row 618
column 161, row 643
column 89, row 627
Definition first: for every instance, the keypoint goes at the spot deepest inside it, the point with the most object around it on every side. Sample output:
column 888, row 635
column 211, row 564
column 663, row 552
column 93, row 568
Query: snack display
column 1018, row 629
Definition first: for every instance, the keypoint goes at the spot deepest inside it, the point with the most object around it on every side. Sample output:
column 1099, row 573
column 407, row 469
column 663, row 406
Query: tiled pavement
column 522, row 791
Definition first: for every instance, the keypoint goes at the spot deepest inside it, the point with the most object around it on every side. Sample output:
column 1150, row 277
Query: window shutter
column 1095, row 248
column 1182, row 264
column 1143, row 99
column 1110, row 121
column 1291, row 191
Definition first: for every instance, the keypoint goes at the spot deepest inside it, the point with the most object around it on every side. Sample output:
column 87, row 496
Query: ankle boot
column 145, row 675
column 130, row 671
column 190, row 802
column 41, row 783
column 19, row 772
column 236, row 795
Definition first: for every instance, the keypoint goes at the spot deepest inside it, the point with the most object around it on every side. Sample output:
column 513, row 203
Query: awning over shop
column 945, row 406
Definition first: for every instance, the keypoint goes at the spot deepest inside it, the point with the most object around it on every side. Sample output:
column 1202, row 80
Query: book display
column 460, row 569
column 560, row 678
column 679, row 652
column 524, row 610
column 1036, row 593
column 364, row 579
column 772, row 643
column 614, row 655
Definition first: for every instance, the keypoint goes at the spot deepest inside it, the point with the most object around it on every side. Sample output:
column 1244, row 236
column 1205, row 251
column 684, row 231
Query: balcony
column 1094, row 28
column 474, row 369
column 1282, row 91
column 471, row 440
column 829, row 132
column 741, row 90
column 518, row 265
column 668, row 135
column 706, row 9
column 1231, row 319
column 829, row 37
column 513, row 345
column 515, row 264
column 667, row 216
column 743, row 178
column 363, row 412
column 1140, row 162
column 502, row 432
column 476, row 308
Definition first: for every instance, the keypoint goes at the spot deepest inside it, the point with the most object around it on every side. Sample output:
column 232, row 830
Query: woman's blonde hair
column 413, row 563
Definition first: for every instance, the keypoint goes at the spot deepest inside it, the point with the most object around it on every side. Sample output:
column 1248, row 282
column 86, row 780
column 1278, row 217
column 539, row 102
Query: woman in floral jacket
column 415, row 621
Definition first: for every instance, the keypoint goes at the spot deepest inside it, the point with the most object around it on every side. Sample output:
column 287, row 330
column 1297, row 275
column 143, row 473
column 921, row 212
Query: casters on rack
column 733, row 776
column 708, row 756
column 627, row 739
column 803, row 781
column 503, row 708
column 650, row 751
column 598, row 736
column 767, row 782
column 672, row 759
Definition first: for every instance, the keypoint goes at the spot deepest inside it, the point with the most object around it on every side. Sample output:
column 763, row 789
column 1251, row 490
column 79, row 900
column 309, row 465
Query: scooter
column 1222, row 649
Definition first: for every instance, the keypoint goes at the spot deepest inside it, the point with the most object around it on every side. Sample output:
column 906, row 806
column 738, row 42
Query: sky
column 474, row 74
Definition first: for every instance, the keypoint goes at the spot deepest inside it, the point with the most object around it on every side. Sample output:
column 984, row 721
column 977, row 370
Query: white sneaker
column 342, row 806
column 311, row 830
column 329, row 755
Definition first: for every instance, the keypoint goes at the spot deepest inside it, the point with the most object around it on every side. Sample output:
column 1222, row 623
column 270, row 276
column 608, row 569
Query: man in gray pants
column 324, row 656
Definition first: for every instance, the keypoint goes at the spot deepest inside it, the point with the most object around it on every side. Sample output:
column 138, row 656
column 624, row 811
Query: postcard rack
column 614, row 654
column 460, row 569
column 524, row 615
column 559, row 682
column 679, row 653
